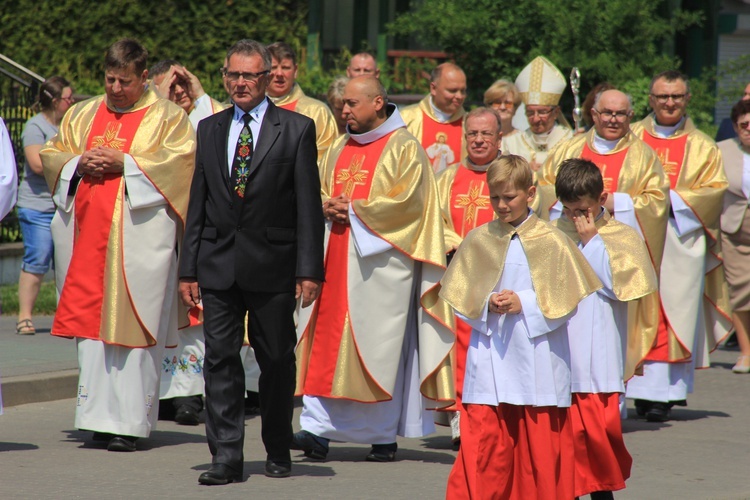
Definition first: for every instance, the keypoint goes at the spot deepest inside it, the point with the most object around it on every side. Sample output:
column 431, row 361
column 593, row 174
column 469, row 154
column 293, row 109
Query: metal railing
column 19, row 87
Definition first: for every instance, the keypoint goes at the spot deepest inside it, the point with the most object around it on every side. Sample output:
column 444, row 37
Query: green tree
column 620, row 41
column 69, row 37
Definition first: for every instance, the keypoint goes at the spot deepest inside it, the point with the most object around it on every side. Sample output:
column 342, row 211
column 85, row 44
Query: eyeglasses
column 619, row 116
column 69, row 99
column 743, row 125
column 542, row 113
column 234, row 76
column 473, row 134
column 507, row 104
column 663, row 98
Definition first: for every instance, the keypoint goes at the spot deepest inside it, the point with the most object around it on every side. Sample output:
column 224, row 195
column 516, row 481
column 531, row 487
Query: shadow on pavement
column 258, row 468
column 634, row 423
column 17, row 446
column 158, row 439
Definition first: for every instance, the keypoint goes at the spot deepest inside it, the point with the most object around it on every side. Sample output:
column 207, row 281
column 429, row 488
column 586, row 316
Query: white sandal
column 742, row 365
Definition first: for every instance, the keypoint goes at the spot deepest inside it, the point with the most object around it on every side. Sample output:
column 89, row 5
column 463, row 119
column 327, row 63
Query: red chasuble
column 290, row 106
column 470, row 207
column 671, row 153
column 79, row 311
column 355, row 169
column 610, row 165
column 433, row 132
column 470, row 200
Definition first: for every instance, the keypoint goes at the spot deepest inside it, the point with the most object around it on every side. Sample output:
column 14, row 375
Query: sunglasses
column 743, row 125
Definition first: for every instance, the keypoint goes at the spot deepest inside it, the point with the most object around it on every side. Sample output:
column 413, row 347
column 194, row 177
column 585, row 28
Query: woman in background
column 35, row 206
column 735, row 228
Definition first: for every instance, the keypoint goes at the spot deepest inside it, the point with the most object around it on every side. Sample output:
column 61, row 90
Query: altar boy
column 517, row 281
column 599, row 329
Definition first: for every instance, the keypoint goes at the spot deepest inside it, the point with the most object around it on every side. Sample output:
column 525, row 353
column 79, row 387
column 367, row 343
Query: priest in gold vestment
column 374, row 355
column 695, row 311
column 286, row 93
column 119, row 171
column 437, row 120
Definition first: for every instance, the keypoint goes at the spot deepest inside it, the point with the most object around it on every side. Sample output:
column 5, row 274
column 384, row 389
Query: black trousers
column 272, row 334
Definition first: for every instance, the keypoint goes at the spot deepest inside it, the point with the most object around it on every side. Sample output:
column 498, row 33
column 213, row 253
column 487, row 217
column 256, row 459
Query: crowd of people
column 396, row 268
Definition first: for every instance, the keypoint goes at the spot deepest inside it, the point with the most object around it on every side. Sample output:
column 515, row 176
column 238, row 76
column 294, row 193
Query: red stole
column 453, row 132
column 470, row 200
column 290, row 106
column 609, row 164
column 671, row 153
column 79, row 311
column 352, row 176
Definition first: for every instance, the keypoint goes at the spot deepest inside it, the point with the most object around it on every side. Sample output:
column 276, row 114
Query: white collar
column 603, row 145
column 665, row 131
column 256, row 113
column 390, row 124
column 441, row 116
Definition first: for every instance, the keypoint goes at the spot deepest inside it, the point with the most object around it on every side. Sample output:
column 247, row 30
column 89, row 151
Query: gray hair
column 249, row 47
column 599, row 95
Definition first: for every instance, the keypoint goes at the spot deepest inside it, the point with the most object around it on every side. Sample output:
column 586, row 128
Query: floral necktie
column 242, row 156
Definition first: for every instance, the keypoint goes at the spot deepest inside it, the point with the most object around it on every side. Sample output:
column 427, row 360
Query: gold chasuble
column 559, row 272
column 352, row 345
column 693, row 163
column 325, row 125
column 640, row 176
column 106, row 293
column 633, row 279
column 465, row 201
column 440, row 140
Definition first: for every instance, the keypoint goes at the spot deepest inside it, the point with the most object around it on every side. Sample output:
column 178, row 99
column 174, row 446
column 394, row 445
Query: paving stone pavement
column 702, row 453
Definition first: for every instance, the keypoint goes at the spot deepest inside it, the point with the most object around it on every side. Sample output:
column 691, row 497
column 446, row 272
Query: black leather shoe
column 314, row 447
column 252, row 403
column 641, row 407
column 659, row 412
column 278, row 469
column 186, row 415
column 122, row 443
column 102, row 437
column 382, row 453
column 219, row 474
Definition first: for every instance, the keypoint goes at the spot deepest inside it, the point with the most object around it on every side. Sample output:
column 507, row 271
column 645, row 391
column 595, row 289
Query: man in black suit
column 253, row 244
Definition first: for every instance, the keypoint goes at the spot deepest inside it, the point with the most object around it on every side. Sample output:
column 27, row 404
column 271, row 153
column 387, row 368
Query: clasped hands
column 337, row 209
column 101, row 160
column 505, row 302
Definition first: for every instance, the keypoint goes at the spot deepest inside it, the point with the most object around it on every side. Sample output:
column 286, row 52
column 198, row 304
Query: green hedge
column 69, row 37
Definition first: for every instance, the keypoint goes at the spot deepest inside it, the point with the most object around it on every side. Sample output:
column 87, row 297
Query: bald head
column 613, row 97
column 364, row 104
column 612, row 113
column 448, row 88
column 363, row 64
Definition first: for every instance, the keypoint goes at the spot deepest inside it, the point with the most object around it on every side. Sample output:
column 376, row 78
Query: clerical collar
column 393, row 122
column 603, row 145
column 281, row 98
column 477, row 168
column 441, row 116
column 665, row 131
column 256, row 113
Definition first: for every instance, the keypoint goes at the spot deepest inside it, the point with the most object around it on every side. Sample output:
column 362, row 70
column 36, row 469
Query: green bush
column 46, row 302
column 69, row 37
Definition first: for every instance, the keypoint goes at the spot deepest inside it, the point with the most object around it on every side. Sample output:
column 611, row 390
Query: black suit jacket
column 275, row 234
